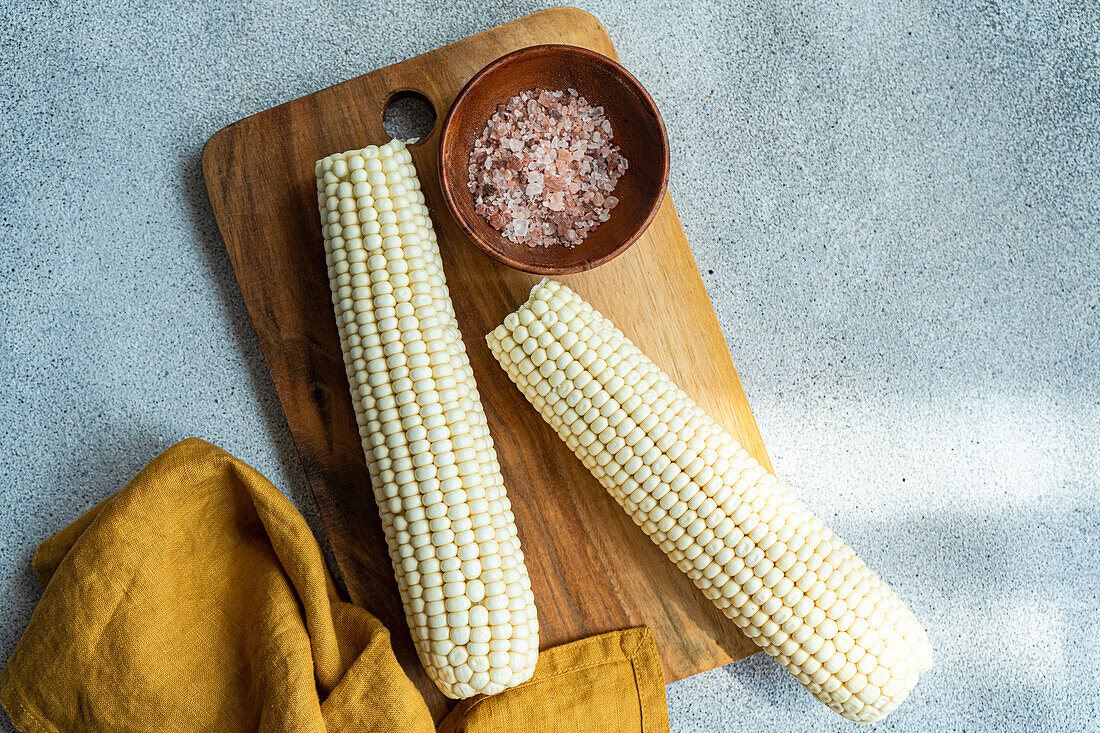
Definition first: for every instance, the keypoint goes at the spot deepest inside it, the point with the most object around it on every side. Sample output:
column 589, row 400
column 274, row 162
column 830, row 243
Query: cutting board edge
column 214, row 139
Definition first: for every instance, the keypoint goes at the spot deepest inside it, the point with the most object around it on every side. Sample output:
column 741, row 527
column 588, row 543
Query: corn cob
column 449, row 527
column 758, row 553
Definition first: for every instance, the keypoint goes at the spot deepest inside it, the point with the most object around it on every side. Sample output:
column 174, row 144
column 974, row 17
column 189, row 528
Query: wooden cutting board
column 592, row 570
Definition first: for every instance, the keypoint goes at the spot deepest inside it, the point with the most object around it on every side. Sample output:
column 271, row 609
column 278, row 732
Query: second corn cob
column 451, row 534
column 758, row 553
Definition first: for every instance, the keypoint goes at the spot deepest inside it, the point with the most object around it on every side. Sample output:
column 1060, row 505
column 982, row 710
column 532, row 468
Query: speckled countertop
column 895, row 206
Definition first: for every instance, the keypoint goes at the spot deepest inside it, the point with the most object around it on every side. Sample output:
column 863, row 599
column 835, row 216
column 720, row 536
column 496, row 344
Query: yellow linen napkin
column 197, row 599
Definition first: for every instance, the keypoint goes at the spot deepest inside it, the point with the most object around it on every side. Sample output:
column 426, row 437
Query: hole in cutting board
column 407, row 115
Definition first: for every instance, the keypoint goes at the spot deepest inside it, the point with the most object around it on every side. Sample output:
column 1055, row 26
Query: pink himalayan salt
column 543, row 169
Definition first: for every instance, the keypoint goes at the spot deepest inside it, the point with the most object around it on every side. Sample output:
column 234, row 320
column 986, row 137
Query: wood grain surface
column 592, row 570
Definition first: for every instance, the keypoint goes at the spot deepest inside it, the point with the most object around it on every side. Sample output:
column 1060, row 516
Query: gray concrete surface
column 894, row 206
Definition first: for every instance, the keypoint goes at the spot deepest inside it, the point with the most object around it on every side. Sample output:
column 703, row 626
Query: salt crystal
column 554, row 182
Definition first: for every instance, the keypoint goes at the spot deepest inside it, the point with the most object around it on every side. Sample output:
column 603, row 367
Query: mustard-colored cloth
column 197, row 599
column 603, row 684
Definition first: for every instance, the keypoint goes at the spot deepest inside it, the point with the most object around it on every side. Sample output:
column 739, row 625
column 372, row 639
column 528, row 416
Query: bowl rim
column 447, row 180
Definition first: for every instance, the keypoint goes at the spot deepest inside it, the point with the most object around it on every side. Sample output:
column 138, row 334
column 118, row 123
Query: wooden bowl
column 636, row 125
